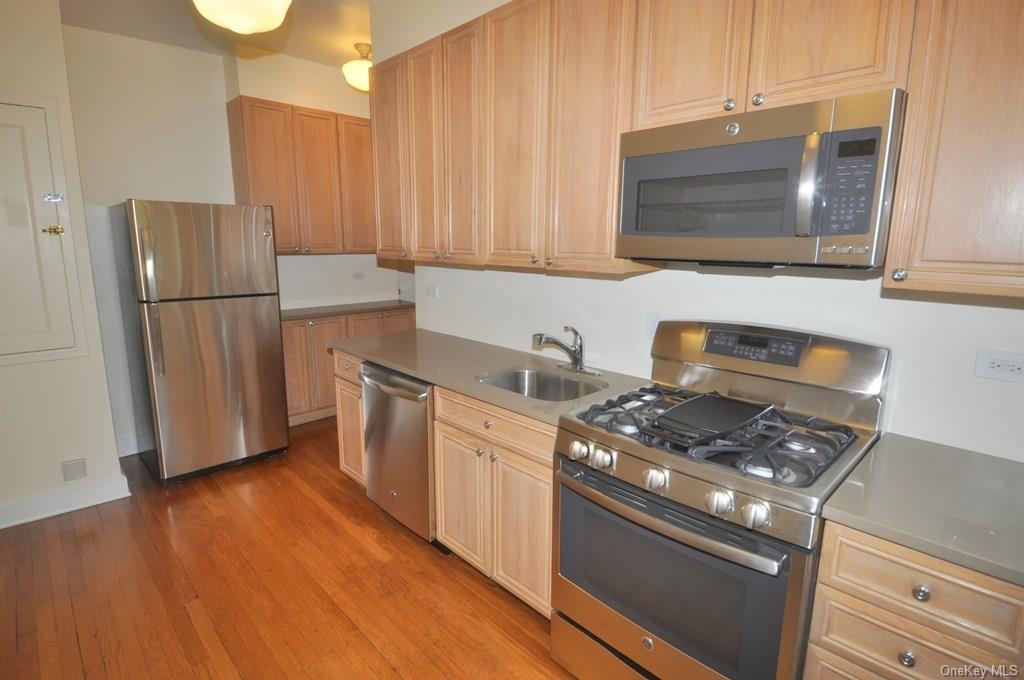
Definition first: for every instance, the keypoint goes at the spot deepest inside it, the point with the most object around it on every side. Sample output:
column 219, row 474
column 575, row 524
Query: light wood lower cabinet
column 887, row 611
column 351, row 445
column 494, row 504
column 297, row 367
column 376, row 323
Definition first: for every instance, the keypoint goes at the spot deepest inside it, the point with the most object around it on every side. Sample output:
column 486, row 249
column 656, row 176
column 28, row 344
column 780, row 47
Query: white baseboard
column 50, row 503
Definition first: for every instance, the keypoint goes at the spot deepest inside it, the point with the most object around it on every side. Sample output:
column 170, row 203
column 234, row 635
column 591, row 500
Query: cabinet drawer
column 347, row 366
column 824, row 665
column 528, row 436
column 978, row 609
column 876, row 639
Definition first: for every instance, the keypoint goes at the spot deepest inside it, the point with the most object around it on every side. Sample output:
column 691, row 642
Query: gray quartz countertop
column 456, row 363
column 961, row 506
column 351, row 308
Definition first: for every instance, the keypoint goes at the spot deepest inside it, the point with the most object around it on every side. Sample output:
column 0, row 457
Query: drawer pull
column 346, row 365
column 907, row 658
column 488, row 424
column 921, row 593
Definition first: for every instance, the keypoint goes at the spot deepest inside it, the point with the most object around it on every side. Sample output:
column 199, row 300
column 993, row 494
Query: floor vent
column 73, row 469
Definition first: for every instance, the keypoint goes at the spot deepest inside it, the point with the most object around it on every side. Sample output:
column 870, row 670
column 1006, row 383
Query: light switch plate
column 433, row 292
column 358, row 275
column 995, row 365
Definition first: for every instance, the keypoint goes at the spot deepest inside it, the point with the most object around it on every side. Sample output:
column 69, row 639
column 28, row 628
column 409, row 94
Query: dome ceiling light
column 244, row 16
column 357, row 71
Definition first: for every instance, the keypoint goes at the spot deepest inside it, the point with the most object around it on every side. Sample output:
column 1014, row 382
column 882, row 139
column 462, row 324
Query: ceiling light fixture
column 357, row 71
column 244, row 16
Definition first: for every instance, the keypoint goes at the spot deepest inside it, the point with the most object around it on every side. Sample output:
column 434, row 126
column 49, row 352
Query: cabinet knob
column 488, row 424
column 267, row 233
column 437, row 254
column 900, row 274
column 380, row 316
column 921, row 593
column 401, row 253
column 494, row 456
column 729, row 104
column 907, row 658
column 309, row 323
column 732, row 129
column 346, row 365
column 481, row 451
column 447, row 255
column 534, row 259
column 757, row 99
column 297, row 249
column 549, row 261
column 307, row 249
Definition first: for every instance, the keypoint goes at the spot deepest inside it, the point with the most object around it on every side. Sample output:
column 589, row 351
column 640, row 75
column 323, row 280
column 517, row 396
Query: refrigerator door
column 199, row 250
column 216, row 378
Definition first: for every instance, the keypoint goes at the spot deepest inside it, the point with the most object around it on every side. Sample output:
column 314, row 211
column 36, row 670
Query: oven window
column 724, row 615
column 724, row 204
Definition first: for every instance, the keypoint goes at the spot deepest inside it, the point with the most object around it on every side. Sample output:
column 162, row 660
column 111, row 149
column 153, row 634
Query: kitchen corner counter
column 454, row 363
column 960, row 506
column 350, row 308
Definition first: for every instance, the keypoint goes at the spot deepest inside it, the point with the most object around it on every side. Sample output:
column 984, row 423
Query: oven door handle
column 731, row 553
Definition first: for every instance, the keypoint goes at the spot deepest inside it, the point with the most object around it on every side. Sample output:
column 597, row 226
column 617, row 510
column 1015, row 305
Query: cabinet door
column 318, row 179
column 269, row 158
column 521, row 491
column 803, row 50
column 351, row 446
column 322, row 332
column 516, row 46
column 371, row 323
column 388, row 113
column 398, row 321
column 426, row 170
column 591, row 46
column 462, row 99
column 691, row 59
column 298, row 379
column 462, row 492
column 356, row 165
column 957, row 223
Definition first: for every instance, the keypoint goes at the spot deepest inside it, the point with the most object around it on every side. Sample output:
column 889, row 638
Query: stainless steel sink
column 543, row 385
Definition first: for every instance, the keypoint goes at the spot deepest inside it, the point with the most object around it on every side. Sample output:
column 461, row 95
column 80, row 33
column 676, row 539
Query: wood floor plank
column 277, row 569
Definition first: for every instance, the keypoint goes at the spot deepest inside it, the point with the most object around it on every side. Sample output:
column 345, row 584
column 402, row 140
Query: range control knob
column 755, row 515
column 601, row 458
column 654, row 479
column 579, row 450
column 718, row 502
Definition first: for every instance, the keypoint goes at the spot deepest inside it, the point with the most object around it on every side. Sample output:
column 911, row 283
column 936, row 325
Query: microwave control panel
column 850, row 181
column 765, row 348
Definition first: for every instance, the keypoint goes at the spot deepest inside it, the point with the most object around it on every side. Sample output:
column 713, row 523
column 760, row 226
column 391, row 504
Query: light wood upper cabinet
column 297, row 368
column 957, row 223
column 388, row 113
column 318, row 180
column 426, row 200
column 462, row 101
column 516, row 63
column 263, row 158
column 322, row 332
column 521, row 493
column 351, row 443
column 691, row 58
column 462, row 487
column 803, row 50
column 592, row 42
column 355, row 149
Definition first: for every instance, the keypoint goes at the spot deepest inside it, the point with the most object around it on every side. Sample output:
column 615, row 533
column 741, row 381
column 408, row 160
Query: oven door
column 674, row 592
column 744, row 202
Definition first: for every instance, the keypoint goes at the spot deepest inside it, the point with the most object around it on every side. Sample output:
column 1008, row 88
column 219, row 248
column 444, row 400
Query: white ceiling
column 318, row 30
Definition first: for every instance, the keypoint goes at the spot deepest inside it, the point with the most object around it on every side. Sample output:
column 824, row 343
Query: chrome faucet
column 575, row 350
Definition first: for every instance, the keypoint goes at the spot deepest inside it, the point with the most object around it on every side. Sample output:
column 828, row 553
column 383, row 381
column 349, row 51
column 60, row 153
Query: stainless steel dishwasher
column 399, row 475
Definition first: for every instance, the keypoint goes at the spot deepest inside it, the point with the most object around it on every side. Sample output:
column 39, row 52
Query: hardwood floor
column 277, row 569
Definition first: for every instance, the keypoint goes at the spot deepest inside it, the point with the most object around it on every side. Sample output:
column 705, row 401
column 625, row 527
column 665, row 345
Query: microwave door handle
column 807, row 184
column 730, row 553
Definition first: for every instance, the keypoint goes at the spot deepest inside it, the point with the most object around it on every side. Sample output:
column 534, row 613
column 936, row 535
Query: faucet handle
column 577, row 338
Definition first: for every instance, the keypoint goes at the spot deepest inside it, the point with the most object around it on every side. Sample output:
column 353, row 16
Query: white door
column 35, row 309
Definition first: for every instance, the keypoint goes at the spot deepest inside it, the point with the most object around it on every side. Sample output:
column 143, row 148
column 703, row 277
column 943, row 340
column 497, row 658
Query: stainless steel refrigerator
column 206, row 277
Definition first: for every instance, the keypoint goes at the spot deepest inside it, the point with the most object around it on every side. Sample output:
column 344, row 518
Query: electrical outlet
column 996, row 365
column 358, row 275
column 433, row 292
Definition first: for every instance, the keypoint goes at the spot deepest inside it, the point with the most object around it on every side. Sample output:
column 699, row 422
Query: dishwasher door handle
column 408, row 395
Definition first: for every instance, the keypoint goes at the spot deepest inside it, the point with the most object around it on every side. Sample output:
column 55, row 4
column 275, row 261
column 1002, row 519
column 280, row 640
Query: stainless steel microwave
column 809, row 184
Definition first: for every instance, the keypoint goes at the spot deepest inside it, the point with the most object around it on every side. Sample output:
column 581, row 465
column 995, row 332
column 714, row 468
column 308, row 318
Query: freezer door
column 198, row 250
column 216, row 377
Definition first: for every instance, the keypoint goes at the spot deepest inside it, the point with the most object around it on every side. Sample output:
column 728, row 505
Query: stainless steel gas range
column 688, row 513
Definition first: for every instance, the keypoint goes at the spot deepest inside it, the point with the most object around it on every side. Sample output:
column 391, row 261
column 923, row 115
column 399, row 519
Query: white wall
column 53, row 410
column 283, row 78
column 933, row 393
column 312, row 280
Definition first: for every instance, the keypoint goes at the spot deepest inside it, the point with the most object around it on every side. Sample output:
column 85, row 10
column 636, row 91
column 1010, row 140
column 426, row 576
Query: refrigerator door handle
column 156, row 339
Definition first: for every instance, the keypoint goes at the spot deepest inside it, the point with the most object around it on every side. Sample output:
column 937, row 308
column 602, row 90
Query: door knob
column 55, row 230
